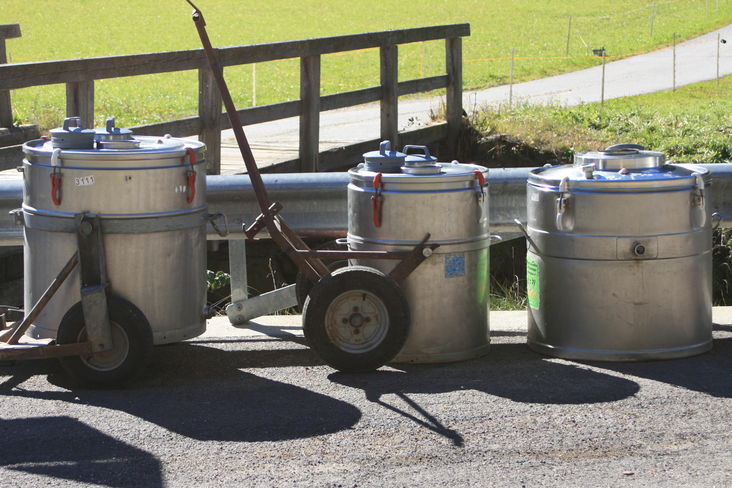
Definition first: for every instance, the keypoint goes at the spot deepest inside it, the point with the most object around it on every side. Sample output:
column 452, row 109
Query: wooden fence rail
column 79, row 76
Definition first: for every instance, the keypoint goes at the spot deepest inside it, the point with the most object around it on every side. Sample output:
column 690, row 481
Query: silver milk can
column 394, row 201
column 619, row 264
column 150, row 196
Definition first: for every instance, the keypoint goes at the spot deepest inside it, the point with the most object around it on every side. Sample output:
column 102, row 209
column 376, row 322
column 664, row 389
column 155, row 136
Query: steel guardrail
column 315, row 204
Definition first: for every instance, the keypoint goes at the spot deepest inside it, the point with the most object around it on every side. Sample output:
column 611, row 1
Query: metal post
column 653, row 19
column 569, row 31
column 674, row 67
column 242, row 308
column 602, row 87
column 510, row 81
column 238, row 270
column 719, row 42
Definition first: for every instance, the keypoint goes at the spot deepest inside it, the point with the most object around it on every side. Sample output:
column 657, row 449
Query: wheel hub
column 357, row 321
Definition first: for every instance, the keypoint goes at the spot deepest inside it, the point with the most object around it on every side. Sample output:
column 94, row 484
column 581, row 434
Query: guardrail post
column 454, row 94
column 80, row 101
column 209, row 111
column 8, row 31
column 243, row 308
column 389, row 94
column 309, row 113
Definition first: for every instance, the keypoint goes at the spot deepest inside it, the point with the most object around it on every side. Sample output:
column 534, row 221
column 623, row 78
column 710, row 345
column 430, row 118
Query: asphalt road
column 236, row 408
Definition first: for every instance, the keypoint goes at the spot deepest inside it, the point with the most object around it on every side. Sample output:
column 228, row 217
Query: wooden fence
column 79, row 76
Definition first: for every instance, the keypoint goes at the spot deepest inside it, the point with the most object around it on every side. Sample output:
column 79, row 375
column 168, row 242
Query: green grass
column 692, row 124
column 537, row 29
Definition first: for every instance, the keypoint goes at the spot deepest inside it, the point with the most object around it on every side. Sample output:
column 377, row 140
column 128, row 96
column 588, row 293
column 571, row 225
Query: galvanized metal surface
column 619, row 265
column 159, row 268
column 315, row 204
column 448, row 292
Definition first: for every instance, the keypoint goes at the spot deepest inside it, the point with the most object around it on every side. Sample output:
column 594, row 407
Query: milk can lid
column 384, row 159
column 111, row 132
column 72, row 135
column 629, row 156
column 421, row 162
column 111, row 137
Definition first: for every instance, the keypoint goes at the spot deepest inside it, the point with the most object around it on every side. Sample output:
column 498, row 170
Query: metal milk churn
column 394, row 201
column 619, row 264
column 149, row 193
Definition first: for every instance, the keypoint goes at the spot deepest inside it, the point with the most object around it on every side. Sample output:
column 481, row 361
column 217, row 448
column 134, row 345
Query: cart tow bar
column 278, row 231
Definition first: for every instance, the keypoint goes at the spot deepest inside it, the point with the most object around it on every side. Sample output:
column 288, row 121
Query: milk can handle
column 77, row 120
column 625, row 147
column 525, row 232
column 212, row 218
column 424, row 150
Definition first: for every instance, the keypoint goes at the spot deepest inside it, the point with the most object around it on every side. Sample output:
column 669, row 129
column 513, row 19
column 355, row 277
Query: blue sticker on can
column 454, row 265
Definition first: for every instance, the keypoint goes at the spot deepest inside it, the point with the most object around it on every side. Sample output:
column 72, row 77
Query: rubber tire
column 330, row 287
column 139, row 336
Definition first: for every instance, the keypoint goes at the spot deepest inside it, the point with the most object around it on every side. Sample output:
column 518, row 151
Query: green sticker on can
column 532, row 282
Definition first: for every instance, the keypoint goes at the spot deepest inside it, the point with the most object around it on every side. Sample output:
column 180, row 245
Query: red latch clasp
column 481, row 183
column 56, row 187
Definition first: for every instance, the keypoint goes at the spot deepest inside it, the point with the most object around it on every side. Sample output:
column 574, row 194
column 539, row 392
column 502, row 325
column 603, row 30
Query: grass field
column 692, row 124
column 536, row 29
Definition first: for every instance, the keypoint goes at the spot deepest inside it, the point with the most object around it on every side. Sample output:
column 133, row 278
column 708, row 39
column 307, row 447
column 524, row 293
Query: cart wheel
column 356, row 319
column 132, row 345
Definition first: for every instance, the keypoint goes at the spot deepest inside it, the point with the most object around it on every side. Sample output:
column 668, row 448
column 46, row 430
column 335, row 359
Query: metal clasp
column 377, row 199
column 562, row 203
column 698, row 198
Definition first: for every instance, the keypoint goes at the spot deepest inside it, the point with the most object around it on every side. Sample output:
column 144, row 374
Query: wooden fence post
column 309, row 113
column 8, row 31
column 80, row 101
column 209, row 111
column 454, row 95
column 389, row 95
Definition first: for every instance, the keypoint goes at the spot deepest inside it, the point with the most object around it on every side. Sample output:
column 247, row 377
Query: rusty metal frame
column 309, row 261
column 90, row 258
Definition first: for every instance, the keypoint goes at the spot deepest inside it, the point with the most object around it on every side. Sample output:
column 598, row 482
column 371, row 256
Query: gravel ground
column 261, row 410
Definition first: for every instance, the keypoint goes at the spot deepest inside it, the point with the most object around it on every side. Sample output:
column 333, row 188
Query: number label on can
column 532, row 283
column 84, row 180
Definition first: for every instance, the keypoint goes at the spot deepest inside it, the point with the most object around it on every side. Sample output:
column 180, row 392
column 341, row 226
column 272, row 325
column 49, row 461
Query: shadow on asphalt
column 71, row 450
column 709, row 373
column 509, row 370
column 200, row 392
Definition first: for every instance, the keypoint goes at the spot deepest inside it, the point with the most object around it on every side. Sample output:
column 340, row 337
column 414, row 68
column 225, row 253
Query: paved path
column 239, row 408
column 645, row 73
